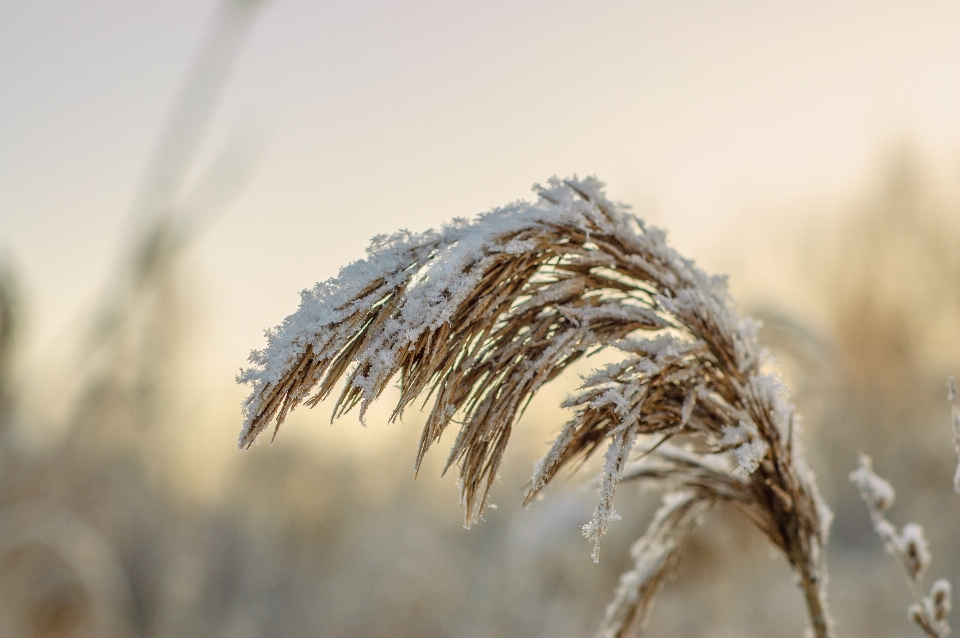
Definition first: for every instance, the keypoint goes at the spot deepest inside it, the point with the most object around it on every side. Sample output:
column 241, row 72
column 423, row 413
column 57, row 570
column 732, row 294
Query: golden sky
column 370, row 116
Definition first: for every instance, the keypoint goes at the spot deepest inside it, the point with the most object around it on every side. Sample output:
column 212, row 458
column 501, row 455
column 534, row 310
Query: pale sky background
column 379, row 115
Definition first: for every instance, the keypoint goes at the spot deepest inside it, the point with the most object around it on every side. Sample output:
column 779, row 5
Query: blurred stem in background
column 168, row 213
column 79, row 554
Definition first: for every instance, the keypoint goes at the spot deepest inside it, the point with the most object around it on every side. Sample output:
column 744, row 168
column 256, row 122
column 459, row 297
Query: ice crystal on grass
column 940, row 599
column 615, row 460
column 913, row 546
column 746, row 445
column 480, row 314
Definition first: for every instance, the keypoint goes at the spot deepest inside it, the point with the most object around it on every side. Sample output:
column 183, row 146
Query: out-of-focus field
column 124, row 512
column 106, row 533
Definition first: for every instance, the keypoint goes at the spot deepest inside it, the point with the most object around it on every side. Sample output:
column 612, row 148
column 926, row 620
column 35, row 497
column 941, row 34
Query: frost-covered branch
column 909, row 547
column 480, row 314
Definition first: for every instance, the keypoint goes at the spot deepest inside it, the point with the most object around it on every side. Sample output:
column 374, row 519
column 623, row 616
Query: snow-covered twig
column 929, row 612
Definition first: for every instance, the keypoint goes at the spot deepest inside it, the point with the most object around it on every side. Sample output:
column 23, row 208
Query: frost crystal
column 613, row 465
column 877, row 492
column 913, row 546
column 748, row 448
column 940, row 597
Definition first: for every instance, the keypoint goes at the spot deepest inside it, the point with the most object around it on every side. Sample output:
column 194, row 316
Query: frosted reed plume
column 909, row 547
column 482, row 313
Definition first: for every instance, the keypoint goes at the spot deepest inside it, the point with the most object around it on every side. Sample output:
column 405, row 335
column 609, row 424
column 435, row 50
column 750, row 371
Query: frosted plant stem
column 811, row 581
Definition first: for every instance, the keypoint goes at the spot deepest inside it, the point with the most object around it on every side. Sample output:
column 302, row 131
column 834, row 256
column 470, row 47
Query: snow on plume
column 480, row 313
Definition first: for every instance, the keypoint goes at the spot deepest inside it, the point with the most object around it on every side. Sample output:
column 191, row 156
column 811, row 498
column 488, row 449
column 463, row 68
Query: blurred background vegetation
column 124, row 508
